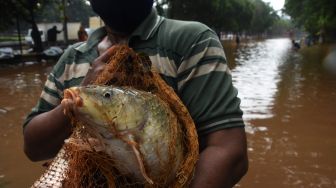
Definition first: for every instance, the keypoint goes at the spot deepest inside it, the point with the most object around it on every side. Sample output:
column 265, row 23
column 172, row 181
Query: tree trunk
column 35, row 34
column 65, row 23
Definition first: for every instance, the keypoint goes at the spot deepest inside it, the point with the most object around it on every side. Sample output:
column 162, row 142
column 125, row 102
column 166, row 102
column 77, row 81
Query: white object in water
column 6, row 53
column 53, row 51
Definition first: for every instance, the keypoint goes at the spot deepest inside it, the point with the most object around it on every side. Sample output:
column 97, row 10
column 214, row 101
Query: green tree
column 77, row 11
column 33, row 11
column 233, row 15
column 8, row 12
column 281, row 27
column 26, row 10
column 237, row 16
column 263, row 17
column 314, row 15
column 31, row 6
column 224, row 15
column 196, row 10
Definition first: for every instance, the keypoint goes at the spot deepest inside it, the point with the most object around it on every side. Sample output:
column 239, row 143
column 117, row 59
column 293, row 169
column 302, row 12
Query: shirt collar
column 148, row 27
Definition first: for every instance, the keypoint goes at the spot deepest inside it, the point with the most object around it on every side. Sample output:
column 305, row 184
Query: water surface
column 289, row 100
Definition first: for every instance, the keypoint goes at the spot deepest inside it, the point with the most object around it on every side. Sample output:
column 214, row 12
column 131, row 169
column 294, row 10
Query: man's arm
column 205, row 86
column 44, row 135
column 223, row 161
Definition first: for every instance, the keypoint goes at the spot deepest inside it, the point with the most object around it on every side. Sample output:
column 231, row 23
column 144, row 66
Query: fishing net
column 91, row 167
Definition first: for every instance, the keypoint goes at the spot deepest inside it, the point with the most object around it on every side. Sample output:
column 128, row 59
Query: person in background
column 36, row 37
column 82, row 34
column 296, row 45
column 188, row 56
column 237, row 39
column 52, row 35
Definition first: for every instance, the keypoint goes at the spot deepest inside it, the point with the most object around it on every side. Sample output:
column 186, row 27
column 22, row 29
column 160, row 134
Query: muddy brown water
column 289, row 103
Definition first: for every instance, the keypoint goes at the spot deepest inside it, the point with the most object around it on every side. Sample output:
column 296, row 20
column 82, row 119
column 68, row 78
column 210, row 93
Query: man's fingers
column 69, row 107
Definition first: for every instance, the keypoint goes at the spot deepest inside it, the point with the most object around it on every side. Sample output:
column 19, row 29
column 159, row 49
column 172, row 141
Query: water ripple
column 256, row 76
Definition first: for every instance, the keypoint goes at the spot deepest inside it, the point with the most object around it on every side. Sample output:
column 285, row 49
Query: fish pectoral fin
column 131, row 141
column 91, row 144
column 80, row 144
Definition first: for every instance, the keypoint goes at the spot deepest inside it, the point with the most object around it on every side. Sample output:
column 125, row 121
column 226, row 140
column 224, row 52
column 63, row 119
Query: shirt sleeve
column 52, row 92
column 205, row 86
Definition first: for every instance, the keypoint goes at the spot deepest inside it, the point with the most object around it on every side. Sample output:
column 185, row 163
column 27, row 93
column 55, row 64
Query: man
column 190, row 59
column 52, row 35
column 36, row 37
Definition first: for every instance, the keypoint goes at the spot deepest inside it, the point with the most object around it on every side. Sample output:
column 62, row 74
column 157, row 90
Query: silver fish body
column 122, row 116
column 135, row 129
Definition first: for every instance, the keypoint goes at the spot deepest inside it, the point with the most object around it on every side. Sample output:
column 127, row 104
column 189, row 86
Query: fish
column 133, row 127
column 137, row 126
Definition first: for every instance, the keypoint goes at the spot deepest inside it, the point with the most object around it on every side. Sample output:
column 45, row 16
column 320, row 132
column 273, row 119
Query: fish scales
column 138, row 116
column 122, row 116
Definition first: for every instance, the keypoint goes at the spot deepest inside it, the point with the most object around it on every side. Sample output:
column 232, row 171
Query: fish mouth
column 71, row 100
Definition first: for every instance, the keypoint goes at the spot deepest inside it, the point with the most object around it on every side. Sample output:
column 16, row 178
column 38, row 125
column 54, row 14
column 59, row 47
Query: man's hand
column 44, row 135
column 98, row 65
column 223, row 161
column 105, row 49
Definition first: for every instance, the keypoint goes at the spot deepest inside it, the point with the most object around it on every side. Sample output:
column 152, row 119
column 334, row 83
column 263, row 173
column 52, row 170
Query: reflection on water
column 19, row 90
column 257, row 76
column 288, row 98
column 289, row 103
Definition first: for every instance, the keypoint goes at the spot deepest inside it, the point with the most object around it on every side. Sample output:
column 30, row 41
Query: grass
column 10, row 38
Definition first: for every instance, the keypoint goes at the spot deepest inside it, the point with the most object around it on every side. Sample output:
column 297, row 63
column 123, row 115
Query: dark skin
column 44, row 135
column 223, row 157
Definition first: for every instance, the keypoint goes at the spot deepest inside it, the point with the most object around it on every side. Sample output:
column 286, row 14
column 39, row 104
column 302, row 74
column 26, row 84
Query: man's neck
column 116, row 38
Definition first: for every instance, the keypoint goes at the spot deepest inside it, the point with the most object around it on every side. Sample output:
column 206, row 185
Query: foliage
column 79, row 11
column 9, row 11
column 76, row 11
column 314, row 15
column 22, row 9
column 233, row 15
column 33, row 11
column 193, row 10
column 281, row 26
column 237, row 16
column 252, row 16
column 44, row 11
column 263, row 17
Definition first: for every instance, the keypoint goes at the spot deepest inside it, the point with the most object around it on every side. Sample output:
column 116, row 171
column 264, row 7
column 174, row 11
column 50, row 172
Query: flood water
column 288, row 98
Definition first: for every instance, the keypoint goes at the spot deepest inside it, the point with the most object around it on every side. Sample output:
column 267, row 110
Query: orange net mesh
column 89, row 168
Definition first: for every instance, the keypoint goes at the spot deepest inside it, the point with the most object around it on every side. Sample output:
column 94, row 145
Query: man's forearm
column 217, row 168
column 223, row 161
column 44, row 135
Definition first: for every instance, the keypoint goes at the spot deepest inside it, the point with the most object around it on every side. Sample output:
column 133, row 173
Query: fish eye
column 107, row 94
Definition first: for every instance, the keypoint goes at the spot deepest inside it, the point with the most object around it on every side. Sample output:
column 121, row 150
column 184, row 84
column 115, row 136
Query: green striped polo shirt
column 189, row 57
